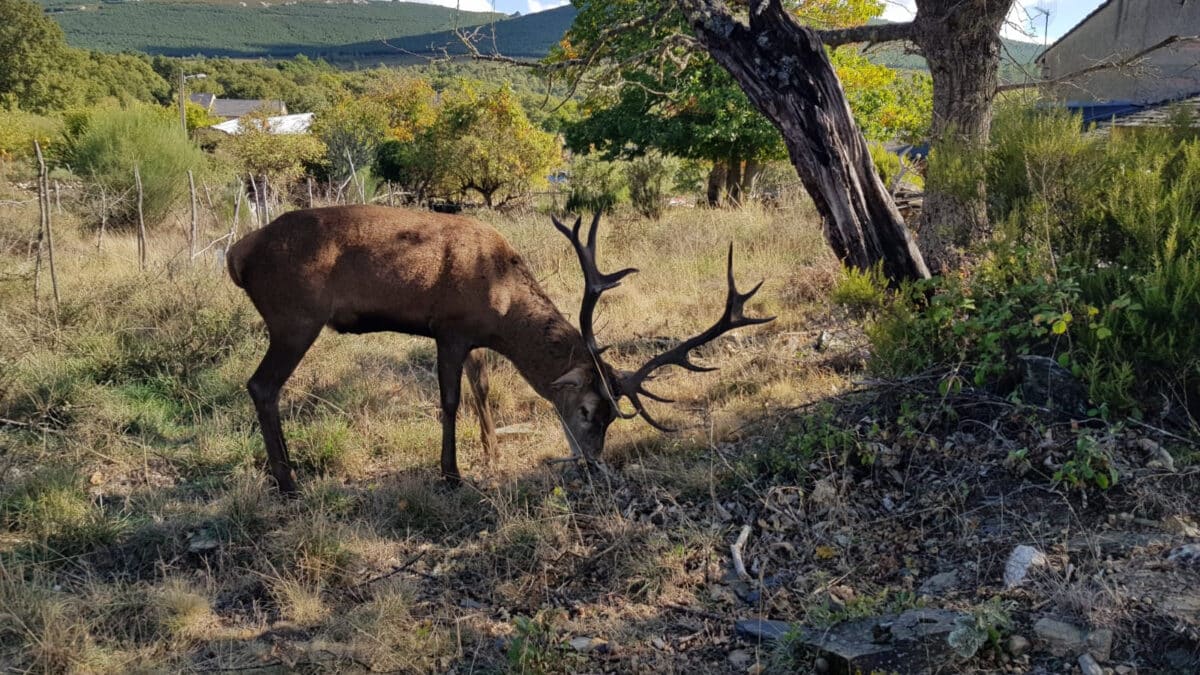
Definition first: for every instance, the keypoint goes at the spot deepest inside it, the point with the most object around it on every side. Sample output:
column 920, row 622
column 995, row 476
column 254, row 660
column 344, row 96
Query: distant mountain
column 355, row 33
column 249, row 28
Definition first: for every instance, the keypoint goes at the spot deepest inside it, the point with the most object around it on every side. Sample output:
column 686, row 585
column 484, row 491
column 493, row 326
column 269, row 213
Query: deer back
column 367, row 268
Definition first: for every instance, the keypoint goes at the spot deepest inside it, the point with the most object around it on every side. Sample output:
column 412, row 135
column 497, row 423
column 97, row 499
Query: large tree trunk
column 733, row 183
column 961, row 43
column 716, row 184
column 785, row 72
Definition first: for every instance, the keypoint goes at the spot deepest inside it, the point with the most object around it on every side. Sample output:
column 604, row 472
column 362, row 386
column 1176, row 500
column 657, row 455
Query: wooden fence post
column 141, row 232
column 192, row 231
column 237, row 209
column 310, row 195
column 44, row 195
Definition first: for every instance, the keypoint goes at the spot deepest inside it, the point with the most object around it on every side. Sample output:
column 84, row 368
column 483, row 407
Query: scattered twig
column 739, row 565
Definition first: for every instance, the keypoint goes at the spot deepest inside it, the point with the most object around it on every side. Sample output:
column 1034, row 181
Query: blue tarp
column 1102, row 112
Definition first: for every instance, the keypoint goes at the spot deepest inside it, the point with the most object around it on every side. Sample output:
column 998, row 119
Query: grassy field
column 137, row 532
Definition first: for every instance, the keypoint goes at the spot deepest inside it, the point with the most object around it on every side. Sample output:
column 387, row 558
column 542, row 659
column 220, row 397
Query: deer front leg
column 450, row 357
column 477, row 378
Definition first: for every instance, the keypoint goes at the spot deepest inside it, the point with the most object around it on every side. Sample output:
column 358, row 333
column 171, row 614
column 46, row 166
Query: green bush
column 649, row 179
column 596, row 185
column 108, row 144
column 1096, row 264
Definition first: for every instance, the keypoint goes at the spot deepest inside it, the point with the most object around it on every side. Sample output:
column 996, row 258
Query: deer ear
column 575, row 378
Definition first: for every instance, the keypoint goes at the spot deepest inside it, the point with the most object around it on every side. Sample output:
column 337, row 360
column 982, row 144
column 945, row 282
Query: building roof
column 1074, row 28
column 203, row 100
column 281, row 124
column 236, row 107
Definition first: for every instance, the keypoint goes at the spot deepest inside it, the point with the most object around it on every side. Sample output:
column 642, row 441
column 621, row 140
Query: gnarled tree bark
column 786, row 73
column 962, row 47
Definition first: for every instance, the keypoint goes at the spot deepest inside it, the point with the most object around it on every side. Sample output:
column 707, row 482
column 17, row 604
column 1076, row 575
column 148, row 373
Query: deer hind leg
column 283, row 355
column 477, row 378
column 450, row 358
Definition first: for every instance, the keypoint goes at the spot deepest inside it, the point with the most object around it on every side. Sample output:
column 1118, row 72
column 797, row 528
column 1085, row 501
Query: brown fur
column 362, row 269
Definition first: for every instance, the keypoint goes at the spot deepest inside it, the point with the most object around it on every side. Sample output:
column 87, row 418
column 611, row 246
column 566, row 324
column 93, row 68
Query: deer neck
column 542, row 344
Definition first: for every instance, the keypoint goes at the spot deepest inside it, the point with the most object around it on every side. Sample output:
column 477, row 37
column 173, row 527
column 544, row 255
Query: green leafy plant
column 1090, row 464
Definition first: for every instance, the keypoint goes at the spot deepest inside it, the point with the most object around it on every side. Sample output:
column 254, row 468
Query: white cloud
column 464, row 5
column 538, row 6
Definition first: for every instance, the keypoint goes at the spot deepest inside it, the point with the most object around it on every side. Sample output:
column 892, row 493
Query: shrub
column 110, row 143
column 649, row 179
column 596, row 185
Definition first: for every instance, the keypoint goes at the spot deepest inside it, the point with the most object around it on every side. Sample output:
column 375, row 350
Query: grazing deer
column 361, row 269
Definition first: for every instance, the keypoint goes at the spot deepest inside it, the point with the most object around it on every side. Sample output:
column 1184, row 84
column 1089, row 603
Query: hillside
column 210, row 29
column 346, row 33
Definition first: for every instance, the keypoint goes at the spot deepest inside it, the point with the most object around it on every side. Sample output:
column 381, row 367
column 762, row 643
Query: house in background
column 233, row 108
column 279, row 124
column 1142, row 93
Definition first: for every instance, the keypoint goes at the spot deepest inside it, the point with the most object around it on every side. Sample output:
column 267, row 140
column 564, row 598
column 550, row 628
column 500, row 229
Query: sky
column 1030, row 20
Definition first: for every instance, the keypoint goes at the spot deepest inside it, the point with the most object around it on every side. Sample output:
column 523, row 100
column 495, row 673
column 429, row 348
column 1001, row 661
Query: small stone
column 1020, row 561
column 1017, row 645
column 739, row 658
column 587, row 644
column 1188, row 554
column 1123, row 670
column 467, row 603
column 658, row 643
column 1089, row 666
column 520, row 429
column 1061, row 638
column 761, row 630
column 821, row 664
column 202, row 541
column 940, row 584
column 1099, row 644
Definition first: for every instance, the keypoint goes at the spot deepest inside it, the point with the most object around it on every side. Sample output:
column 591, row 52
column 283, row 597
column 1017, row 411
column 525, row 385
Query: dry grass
column 136, row 526
column 137, row 531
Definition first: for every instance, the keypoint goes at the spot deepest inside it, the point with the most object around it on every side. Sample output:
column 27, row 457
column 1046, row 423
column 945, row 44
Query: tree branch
column 872, row 34
column 1102, row 65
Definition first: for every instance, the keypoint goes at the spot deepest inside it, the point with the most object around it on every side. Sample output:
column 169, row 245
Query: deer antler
column 595, row 282
column 632, row 384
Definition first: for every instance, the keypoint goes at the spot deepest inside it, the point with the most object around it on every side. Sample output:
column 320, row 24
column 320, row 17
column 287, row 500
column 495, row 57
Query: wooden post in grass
column 237, row 210
column 44, row 201
column 192, row 230
column 141, row 231
column 310, row 195
column 103, row 217
column 257, row 201
column 57, row 199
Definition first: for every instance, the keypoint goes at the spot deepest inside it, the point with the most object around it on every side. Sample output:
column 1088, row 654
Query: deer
column 362, row 269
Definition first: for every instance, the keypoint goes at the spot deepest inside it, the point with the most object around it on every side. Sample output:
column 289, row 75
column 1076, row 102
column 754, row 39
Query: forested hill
column 252, row 28
column 348, row 34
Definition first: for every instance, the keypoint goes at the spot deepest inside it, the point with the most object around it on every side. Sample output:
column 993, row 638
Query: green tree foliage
column 491, row 146
column 31, row 46
column 279, row 158
column 108, row 143
column 678, row 101
column 18, row 131
column 351, row 130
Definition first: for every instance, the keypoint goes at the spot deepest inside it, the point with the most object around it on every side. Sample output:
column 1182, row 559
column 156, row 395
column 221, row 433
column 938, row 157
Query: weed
column 1091, row 464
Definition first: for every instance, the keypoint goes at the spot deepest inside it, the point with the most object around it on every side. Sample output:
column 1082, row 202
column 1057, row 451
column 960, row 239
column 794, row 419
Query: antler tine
column 595, row 282
column 632, row 384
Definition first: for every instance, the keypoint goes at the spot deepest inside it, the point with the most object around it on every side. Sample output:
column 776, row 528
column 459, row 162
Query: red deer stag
column 361, row 269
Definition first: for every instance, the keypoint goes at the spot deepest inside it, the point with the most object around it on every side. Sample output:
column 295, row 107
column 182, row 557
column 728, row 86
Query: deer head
column 588, row 397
